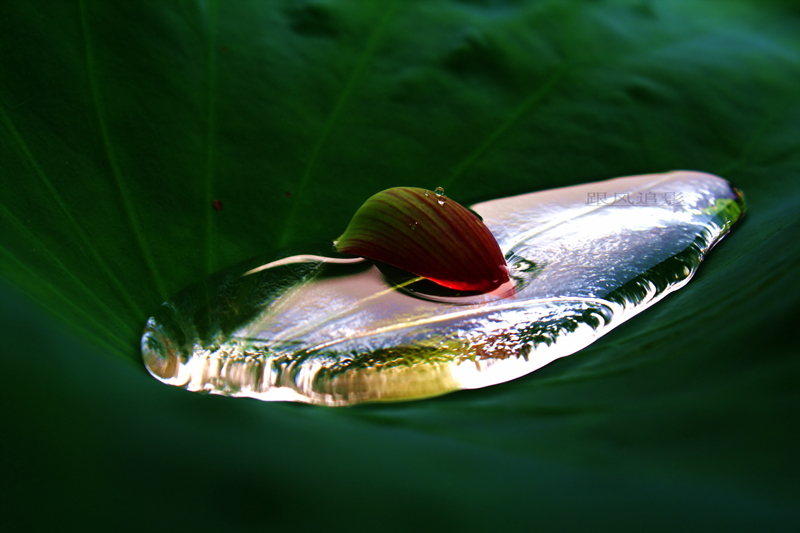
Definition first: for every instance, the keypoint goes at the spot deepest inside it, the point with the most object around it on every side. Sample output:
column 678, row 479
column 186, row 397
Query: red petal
column 428, row 235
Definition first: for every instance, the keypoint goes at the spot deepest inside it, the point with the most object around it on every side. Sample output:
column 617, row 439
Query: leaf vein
column 210, row 159
column 366, row 56
column 62, row 205
column 519, row 112
column 113, row 342
column 29, row 235
column 116, row 174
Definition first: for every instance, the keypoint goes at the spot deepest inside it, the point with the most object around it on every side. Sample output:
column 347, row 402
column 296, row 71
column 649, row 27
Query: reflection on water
column 338, row 331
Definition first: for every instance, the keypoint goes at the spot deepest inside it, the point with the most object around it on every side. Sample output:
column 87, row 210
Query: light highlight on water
column 336, row 331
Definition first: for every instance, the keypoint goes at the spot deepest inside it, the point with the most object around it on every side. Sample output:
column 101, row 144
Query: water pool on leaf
column 337, row 331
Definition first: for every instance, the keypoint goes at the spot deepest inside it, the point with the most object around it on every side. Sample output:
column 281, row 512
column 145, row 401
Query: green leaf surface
column 122, row 122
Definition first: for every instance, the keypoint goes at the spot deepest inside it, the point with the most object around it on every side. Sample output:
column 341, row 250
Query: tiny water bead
column 441, row 198
column 335, row 330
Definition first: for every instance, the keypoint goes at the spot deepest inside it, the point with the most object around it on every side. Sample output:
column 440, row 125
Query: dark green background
column 121, row 122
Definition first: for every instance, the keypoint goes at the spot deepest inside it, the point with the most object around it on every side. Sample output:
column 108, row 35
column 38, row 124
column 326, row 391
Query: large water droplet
column 334, row 331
